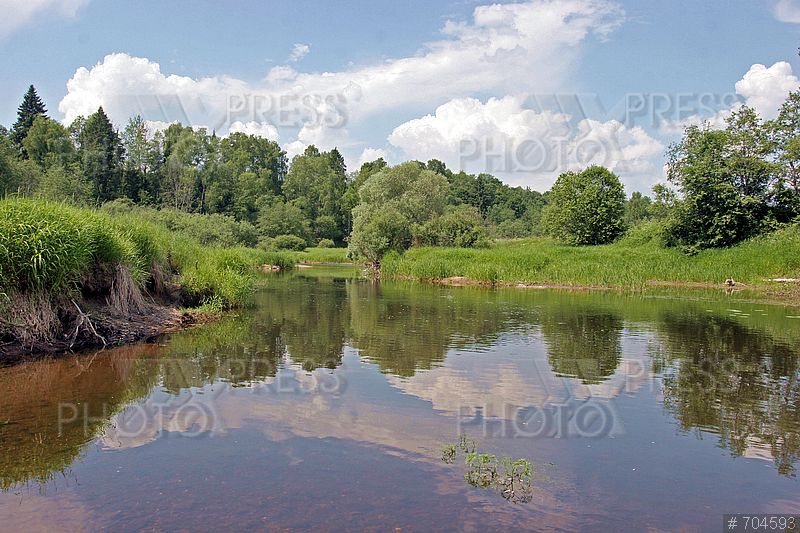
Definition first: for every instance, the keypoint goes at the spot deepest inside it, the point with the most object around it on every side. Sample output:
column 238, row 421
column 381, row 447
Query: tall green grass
column 53, row 248
column 321, row 255
column 633, row 262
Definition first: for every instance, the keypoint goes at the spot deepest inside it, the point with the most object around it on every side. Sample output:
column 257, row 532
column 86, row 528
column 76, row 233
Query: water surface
column 325, row 407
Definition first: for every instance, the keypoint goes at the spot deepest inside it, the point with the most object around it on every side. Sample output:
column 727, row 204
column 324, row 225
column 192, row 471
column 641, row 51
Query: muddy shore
column 105, row 328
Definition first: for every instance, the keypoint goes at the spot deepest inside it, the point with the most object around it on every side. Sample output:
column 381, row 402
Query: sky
column 523, row 90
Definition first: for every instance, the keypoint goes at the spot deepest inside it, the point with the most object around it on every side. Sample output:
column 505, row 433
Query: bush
column 391, row 202
column 379, row 232
column 461, row 227
column 650, row 232
column 208, row 230
column 726, row 179
column 586, row 207
column 290, row 242
column 281, row 218
column 326, row 243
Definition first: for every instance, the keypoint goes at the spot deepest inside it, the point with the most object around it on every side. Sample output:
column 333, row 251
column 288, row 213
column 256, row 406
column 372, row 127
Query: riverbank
column 322, row 256
column 111, row 330
column 74, row 278
column 633, row 263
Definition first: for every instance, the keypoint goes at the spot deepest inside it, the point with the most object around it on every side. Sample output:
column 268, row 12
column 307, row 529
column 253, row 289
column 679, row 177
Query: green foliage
column 282, row 218
column 586, row 207
column 30, row 108
column 47, row 247
column 208, row 230
column 316, row 184
column 637, row 209
column 321, row 255
column 257, row 155
column 141, row 162
column 64, row 184
column 732, row 187
column 9, row 176
column 664, row 202
column 325, row 243
column 53, row 248
column 648, row 232
column 377, row 232
column 460, row 226
column 392, row 201
column 784, row 132
column 48, row 143
column 290, row 242
column 223, row 279
column 101, row 155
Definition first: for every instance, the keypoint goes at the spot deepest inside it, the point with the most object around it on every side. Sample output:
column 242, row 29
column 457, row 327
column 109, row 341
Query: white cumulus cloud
column 524, row 146
column 504, row 48
column 15, row 14
column 762, row 88
column 259, row 129
column 765, row 89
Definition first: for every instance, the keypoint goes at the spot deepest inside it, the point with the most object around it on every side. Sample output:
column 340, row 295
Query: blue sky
column 467, row 82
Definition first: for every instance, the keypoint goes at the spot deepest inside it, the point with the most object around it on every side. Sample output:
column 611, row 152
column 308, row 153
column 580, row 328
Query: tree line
column 724, row 186
column 242, row 176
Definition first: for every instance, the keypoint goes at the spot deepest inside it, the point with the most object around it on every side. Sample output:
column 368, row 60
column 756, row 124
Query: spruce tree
column 101, row 155
column 31, row 107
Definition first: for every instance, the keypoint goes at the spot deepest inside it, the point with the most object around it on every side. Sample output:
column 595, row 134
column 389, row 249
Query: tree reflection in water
column 738, row 382
column 733, row 376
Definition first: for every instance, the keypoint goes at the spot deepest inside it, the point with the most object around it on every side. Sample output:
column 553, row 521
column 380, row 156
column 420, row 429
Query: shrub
column 586, row 207
column 290, row 242
column 460, row 227
column 379, row 232
column 267, row 243
column 208, row 230
column 650, row 232
column 726, row 178
column 326, row 243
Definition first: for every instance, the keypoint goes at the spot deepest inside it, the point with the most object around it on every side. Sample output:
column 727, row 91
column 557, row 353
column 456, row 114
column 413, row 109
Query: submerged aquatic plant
column 511, row 477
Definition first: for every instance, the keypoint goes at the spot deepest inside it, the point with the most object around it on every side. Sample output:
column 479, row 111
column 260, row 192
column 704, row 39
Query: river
column 326, row 406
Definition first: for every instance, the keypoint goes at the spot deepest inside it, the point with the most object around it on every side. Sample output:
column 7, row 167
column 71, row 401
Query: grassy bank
column 321, row 255
column 56, row 259
column 634, row 262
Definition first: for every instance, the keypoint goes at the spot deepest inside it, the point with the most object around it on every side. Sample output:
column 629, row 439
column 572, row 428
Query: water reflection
column 51, row 409
column 403, row 367
column 737, row 382
column 582, row 342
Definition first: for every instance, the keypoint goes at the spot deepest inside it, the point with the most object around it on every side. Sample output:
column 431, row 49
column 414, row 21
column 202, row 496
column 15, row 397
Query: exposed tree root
column 84, row 321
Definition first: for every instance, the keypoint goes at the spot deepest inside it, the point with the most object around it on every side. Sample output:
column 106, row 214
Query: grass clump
column 48, row 247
